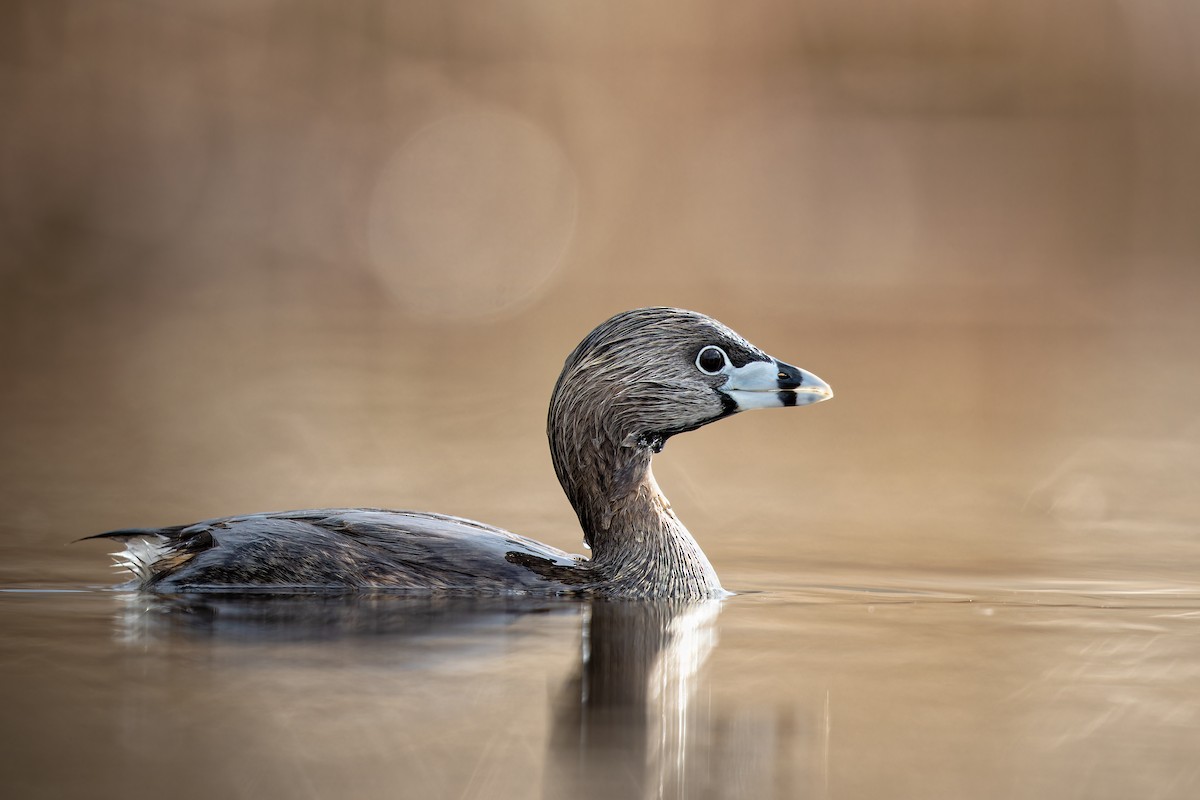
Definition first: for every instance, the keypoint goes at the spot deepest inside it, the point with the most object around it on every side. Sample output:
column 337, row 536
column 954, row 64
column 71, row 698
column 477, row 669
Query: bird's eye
column 711, row 360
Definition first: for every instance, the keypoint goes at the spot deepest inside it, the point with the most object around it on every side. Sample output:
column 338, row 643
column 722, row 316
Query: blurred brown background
column 258, row 254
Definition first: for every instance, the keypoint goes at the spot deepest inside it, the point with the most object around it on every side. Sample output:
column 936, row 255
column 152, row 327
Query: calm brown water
column 817, row 693
column 259, row 256
column 945, row 589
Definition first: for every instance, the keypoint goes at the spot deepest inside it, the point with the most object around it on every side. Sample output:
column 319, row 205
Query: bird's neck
column 639, row 545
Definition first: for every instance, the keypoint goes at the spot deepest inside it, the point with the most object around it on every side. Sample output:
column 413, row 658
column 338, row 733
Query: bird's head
column 649, row 374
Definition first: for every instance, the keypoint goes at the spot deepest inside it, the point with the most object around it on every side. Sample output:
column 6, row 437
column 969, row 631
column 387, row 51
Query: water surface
column 824, row 692
column 942, row 589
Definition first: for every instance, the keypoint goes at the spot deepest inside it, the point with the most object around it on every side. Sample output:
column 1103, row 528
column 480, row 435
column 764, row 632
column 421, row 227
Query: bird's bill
column 771, row 384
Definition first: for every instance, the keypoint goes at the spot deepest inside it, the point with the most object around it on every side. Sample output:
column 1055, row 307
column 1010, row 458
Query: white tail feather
column 140, row 555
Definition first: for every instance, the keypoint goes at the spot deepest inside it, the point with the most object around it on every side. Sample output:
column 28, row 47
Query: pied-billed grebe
column 632, row 383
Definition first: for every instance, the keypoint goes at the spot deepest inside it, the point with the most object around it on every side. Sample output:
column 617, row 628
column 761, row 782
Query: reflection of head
column 624, row 724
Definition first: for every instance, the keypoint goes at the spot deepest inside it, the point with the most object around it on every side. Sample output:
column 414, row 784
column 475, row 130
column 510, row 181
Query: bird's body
column 342, row 549
column 636, row 380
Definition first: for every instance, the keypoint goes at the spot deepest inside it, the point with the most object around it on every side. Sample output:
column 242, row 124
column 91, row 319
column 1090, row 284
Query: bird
column 638, row 379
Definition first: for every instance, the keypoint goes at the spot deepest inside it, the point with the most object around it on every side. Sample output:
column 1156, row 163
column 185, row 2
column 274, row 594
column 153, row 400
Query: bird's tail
column 150, row 553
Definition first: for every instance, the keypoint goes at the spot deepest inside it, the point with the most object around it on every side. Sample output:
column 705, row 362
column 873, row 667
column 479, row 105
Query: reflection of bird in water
column 625, row 722
column 636, row 380
column 624, row 727
column 364, row 616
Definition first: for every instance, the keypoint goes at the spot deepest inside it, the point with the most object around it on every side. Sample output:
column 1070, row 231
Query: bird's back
column 345, row 549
